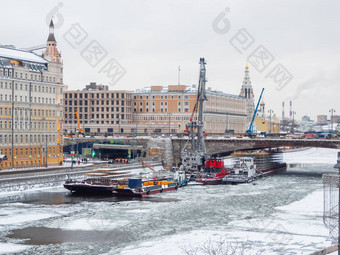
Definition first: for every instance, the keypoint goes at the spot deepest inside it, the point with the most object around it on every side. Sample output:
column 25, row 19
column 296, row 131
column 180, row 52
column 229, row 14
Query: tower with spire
column 52, row 54
column 247, row 92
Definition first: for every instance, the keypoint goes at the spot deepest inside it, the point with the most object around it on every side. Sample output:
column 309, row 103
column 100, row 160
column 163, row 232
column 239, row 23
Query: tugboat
column 267, row 162
column 138, row 187
column 244, row 171
column 214, row 172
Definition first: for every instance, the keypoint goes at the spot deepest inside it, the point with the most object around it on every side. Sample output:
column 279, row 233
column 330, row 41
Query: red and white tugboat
column 214, row 172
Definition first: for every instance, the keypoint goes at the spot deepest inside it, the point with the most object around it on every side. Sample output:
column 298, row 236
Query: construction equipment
column 79, row 131
column 144, row 163
column 249, row 132
column 199, row 155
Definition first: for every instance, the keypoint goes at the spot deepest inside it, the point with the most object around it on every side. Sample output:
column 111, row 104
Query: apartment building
column 168, row 109
column 101, row 111
column 31, row 106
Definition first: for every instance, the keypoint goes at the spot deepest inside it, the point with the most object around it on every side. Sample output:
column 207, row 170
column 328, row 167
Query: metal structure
column 331, row 214
column 79, row 131
column 250, row 129
column 195, row 128
column 270, row 121
column 332, row 111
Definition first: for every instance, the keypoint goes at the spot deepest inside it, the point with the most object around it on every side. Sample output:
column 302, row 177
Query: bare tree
column 220, row 247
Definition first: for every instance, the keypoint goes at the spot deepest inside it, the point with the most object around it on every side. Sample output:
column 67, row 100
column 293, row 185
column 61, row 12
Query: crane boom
column 201, row 99
column 250, row 129
column 144, row 163
column 80, row 131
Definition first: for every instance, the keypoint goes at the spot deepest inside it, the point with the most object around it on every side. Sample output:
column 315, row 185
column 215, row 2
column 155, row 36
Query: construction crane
column 79, row 131
column 199, row 153
column 249, row 132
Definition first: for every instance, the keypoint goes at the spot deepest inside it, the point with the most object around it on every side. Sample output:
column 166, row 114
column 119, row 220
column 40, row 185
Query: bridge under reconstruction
column 170, row 148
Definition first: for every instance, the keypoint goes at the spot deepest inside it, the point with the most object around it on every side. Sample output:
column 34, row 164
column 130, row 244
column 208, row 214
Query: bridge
column 225, row 145
column 214, row 145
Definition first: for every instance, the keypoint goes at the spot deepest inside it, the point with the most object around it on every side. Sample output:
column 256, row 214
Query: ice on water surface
column 281, row 214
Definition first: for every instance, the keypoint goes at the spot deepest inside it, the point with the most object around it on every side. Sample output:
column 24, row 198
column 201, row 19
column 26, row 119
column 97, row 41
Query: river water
column 280, row 214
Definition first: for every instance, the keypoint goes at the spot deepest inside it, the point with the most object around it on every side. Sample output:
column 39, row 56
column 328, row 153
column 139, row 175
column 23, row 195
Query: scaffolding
column 331, row 203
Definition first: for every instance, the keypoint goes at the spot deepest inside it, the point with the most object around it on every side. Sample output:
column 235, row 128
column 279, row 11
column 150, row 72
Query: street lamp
column 293, row 122
column 332, row 111
column 46, row 150
column 119, row 124
column 170, row 114
column 136, row 119
column 270, row 121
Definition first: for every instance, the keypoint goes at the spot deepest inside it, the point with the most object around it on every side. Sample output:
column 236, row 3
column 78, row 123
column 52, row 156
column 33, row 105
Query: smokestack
column 283, row 110
column 290, row 109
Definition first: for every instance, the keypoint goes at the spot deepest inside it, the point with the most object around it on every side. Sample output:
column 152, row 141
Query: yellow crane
column 80, row 131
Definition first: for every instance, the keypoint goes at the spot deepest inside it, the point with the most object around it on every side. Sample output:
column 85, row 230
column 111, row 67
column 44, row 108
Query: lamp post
column 270, row 121
column 119, row 124
column 136, row 119
column 338, row 167
column 46, row 150
column 332, row 111
column 293, row 122
column 170, row 114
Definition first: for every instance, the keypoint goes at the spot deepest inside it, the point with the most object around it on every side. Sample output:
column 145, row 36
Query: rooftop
column 189, row 90
column 21, row 55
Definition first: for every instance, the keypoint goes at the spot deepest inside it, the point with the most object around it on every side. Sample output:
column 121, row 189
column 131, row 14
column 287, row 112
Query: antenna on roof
column 179, row 75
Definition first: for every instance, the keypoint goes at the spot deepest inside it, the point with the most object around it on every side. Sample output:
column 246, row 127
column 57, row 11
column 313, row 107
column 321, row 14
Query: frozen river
column 281, row 214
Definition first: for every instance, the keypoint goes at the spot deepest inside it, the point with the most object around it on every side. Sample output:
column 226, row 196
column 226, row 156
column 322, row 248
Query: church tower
column 52, row 54
column 247, row 92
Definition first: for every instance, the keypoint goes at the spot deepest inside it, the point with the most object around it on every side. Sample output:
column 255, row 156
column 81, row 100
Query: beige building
column 31, row 106
column 265, row 122
column 101, row 111
column 161, row 109
column 321, row 119
column 335, row 119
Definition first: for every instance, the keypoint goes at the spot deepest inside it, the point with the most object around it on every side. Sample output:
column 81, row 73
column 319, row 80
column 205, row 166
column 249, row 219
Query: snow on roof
column 187, row 90
column 21, row 55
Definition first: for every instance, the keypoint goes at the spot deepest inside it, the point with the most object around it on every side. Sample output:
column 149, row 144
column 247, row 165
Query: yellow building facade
column 264, row 124
column 31, row 106
column 167, row 109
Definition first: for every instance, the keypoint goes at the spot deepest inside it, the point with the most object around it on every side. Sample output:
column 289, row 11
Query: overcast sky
column 150, row 39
